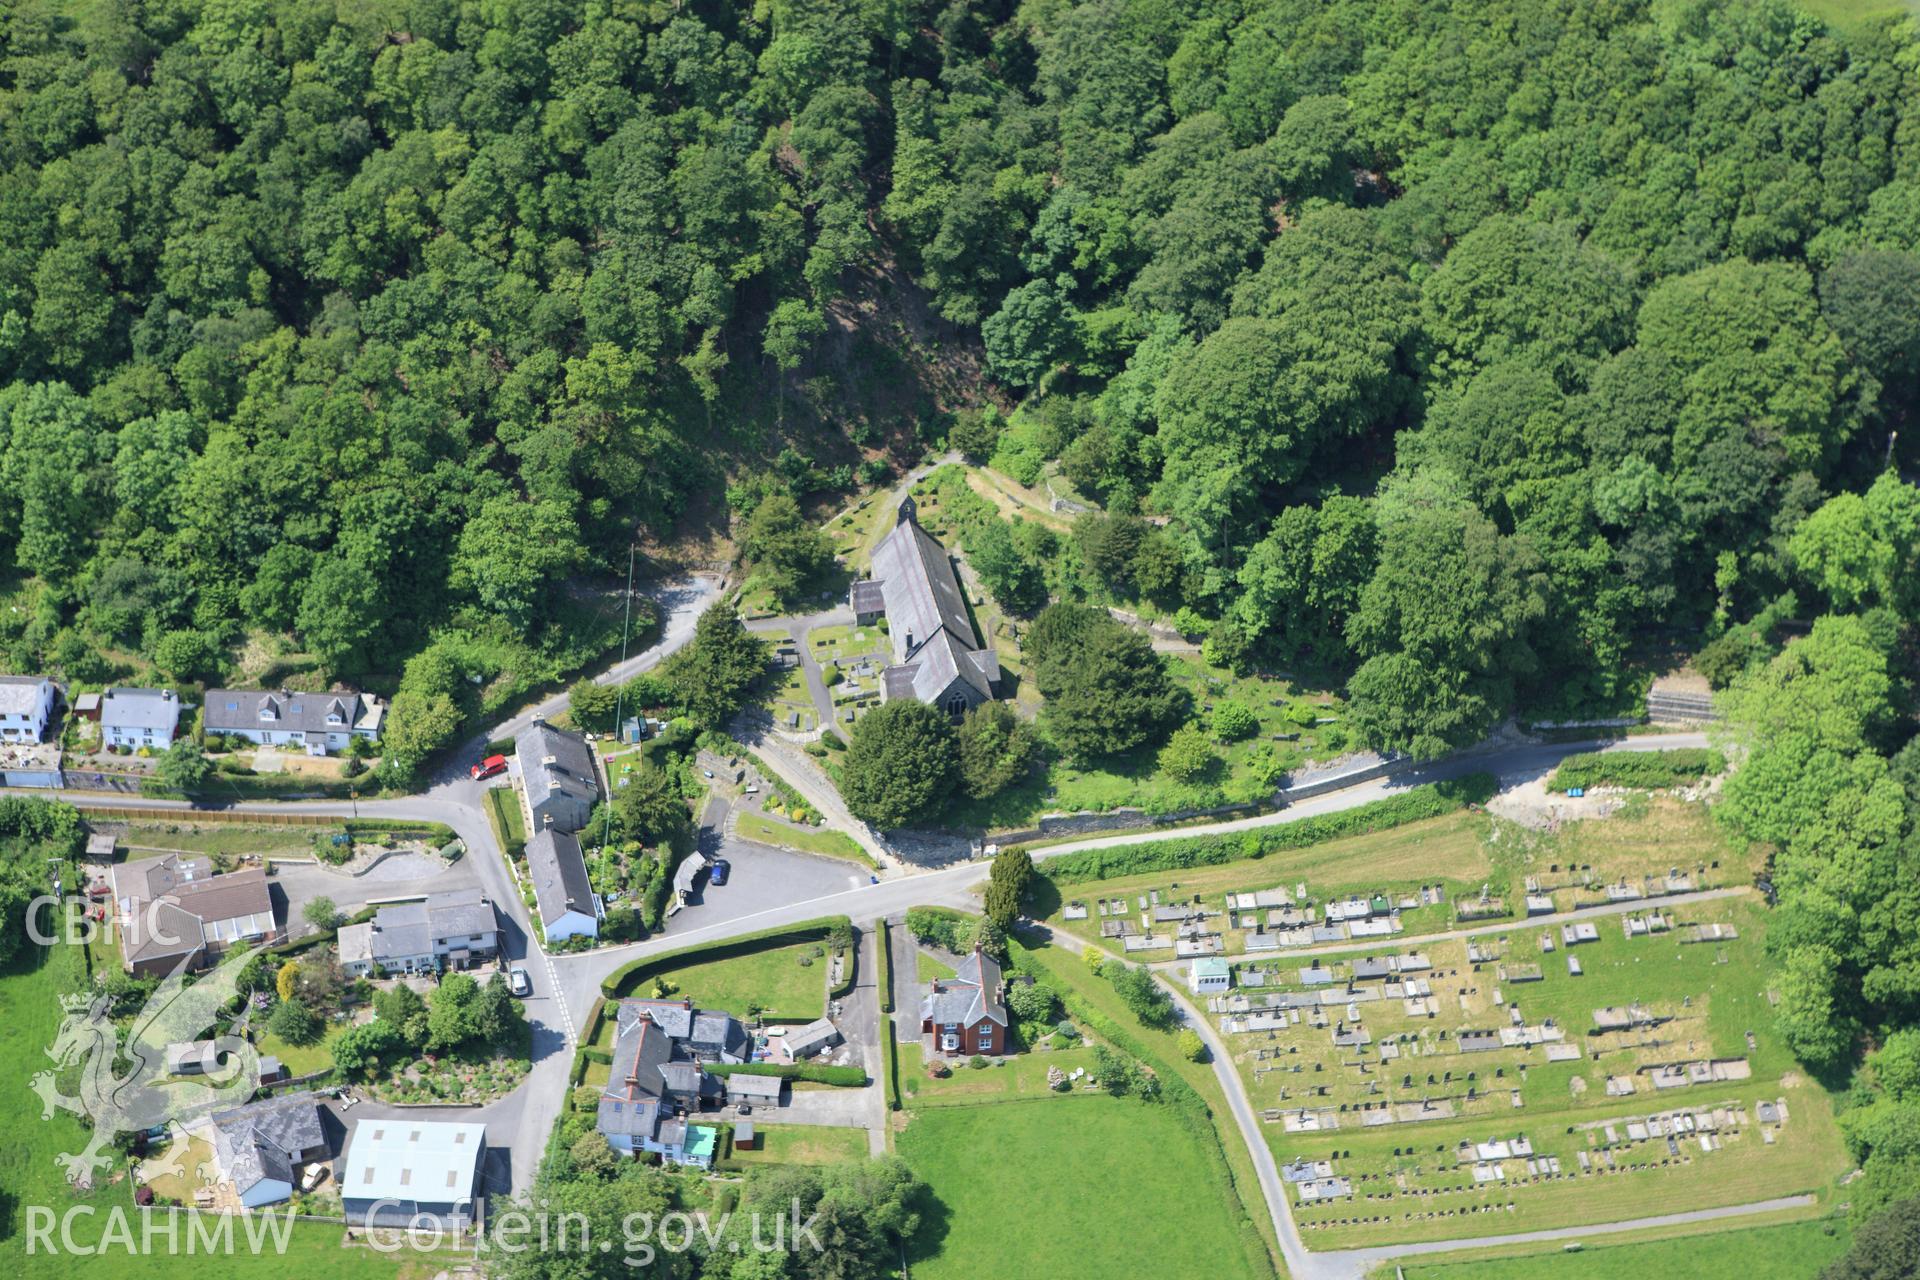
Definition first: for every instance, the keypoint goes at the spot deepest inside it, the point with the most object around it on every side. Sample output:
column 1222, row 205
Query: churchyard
column 1461, row 870
column 1532, row 1077
column 851, row 659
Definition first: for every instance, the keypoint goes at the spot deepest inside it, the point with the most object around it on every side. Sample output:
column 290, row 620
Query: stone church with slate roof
column 937, row 657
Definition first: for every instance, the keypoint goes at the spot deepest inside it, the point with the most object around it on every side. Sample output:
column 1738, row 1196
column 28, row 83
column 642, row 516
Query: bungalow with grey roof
column 261, row 1147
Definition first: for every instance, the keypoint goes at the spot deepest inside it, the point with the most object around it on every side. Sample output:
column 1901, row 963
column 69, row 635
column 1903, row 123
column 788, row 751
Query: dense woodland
column 1474, row 355
column 1456, row 351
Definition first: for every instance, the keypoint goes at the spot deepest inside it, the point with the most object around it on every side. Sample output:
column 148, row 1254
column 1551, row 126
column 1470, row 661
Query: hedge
column 623, row 980
column 1180, row 853
column 890, row 1063
column 595, row 1019
column 503, row 814
column 883, row 944
column 1650, row 769
column 374, row 827
column 812, row 1072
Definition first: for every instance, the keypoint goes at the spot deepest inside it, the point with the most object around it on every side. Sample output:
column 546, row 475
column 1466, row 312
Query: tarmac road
column 565, row 986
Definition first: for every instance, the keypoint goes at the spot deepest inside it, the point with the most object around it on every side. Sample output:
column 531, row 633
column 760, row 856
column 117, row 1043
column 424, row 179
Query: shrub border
column 1430, row 800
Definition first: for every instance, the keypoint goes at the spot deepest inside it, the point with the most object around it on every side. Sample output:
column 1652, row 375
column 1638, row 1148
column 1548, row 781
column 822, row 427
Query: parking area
column 762, row 878
column 295, row 885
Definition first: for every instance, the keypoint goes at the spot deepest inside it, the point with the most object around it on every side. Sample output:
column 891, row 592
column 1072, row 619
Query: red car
column 489, row 767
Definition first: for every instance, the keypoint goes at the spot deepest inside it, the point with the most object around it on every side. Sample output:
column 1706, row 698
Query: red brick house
column 963, row 1014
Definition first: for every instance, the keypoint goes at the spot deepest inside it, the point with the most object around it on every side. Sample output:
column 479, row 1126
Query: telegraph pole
column 620, row 694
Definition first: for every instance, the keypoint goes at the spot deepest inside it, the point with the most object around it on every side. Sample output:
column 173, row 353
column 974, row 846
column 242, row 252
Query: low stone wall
column 1054, row 826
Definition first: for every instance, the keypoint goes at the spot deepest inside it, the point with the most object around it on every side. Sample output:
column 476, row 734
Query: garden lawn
column 1792, row 1251
column 1035, row 1189
column 509, row 827
column 930, row 968
column 30, row 990
column 803, row 1144
column 1022, row 1076
column 773, row 981
column 223, row 837
column 785, row 835
column 303, row 1059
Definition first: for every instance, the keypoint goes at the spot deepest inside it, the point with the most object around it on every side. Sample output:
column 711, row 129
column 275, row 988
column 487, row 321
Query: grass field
column 785, row 835
column 803, row 1144
column 1069, row 973
column 1649, row 836
column 1070, row 1166
column 1848, row 16
column 1794, row 1251
column 773, row 981
column 29, row 1017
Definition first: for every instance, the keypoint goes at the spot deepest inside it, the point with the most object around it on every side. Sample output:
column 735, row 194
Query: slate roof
column 460, row 913
column 719, row 1031
column 570, row 773
column 804, row 1042
column 866, row 596
column 897, row 682
column 640, row 1048
column 559, row 874
column 409, row 929
column 973, row 992
column 938, row 662
column 126, row 708
column 20, row 695
column 193, row 912
column 263, row 1140
column 918, row 583
column 231, row 709
column 682, row 1079
column 753, row 1089
column 149, row 878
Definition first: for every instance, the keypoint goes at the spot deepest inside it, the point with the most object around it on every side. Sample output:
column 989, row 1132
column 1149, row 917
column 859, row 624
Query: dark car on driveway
column 721, row 870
